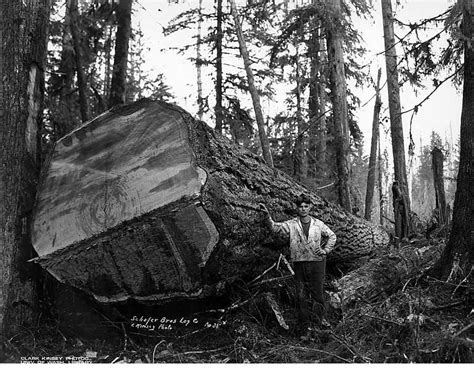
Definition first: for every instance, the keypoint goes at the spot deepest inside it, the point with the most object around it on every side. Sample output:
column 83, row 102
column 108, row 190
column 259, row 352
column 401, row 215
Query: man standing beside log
column 308, row 258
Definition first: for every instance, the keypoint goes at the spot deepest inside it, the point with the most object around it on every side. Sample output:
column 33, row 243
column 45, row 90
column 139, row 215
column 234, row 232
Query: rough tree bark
column 339, row 103
column 200, row 101
column 399, row 211
column 317, row 104
column 460, row 247
column 321, row 90
column 437, row 159
column 81, row 75
column 299, row 152
column 267, row 155
column 23, row 30
column 369, row 196
column 396, row 126
column 146, row 202
column 381, row 276
column 122, row 40
column 108, row 62
column 380, row 184
column 64, row 122
column 219, row 109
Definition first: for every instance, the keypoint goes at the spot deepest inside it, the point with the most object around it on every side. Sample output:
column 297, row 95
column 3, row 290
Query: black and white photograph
column 236, row 182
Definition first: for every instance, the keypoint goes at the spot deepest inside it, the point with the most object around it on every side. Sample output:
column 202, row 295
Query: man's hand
column 264, row 209
column 321, row 252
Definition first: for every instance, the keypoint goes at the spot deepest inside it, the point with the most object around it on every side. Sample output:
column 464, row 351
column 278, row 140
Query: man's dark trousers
column 310, row 277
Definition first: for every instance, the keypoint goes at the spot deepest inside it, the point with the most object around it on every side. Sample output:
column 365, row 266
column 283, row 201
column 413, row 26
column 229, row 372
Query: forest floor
column 425, row 321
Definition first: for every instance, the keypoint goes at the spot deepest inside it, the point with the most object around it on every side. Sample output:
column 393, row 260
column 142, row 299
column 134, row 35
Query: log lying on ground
column 383, row 274
column 145, row 202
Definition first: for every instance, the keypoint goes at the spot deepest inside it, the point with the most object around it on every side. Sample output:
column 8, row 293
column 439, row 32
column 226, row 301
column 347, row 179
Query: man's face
column 303, row 209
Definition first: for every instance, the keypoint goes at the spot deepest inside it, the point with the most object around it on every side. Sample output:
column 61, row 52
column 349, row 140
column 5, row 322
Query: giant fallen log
column 145, row 202
column 382, row 275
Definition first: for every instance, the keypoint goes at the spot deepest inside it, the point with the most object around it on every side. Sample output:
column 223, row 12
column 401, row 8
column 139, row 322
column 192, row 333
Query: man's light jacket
column 302, row 248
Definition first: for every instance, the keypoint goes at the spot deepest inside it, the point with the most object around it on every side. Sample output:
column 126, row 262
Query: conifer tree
column 23, row 44
column 401, row 200
column 122, row 42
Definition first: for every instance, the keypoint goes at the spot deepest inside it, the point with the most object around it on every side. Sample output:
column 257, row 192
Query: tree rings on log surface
column 111, row 170
column 118, row 213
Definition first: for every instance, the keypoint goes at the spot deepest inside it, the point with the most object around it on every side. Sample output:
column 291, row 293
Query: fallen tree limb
column 465, row 329
column 382, row 275
column 303, row 348
column 274, row 279
column 383, row 319
column 451, row 305
column 273, row 304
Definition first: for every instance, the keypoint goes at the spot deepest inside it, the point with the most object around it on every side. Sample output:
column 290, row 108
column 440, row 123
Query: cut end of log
column 112, row 170
column 116, row 206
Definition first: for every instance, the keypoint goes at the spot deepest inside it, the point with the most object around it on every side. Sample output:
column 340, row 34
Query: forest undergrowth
column 425, row 320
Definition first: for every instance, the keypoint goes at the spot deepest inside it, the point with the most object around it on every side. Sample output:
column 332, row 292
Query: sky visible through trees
column 440, row 113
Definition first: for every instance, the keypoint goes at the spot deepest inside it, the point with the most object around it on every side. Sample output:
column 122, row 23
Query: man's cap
column 303, row 198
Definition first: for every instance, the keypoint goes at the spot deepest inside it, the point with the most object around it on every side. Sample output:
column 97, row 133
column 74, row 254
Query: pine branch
column 438, row 85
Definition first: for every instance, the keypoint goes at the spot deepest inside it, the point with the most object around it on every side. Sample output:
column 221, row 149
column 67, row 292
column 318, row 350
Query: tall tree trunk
column 64, row 122
column 199, row 64
column 317, row 104
column 219, row 84
column 299, row 152
column 23, row 30
column 122, row 42
column 437, row 159
column 108, row 62
column 313, row 104
column 81, row 76
column 369, row 196
column 402, row 206
column 380, row 184
column 461, row 241
column 313, row 54
column 321, row 90
column 267, row 155
column 339, row 102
